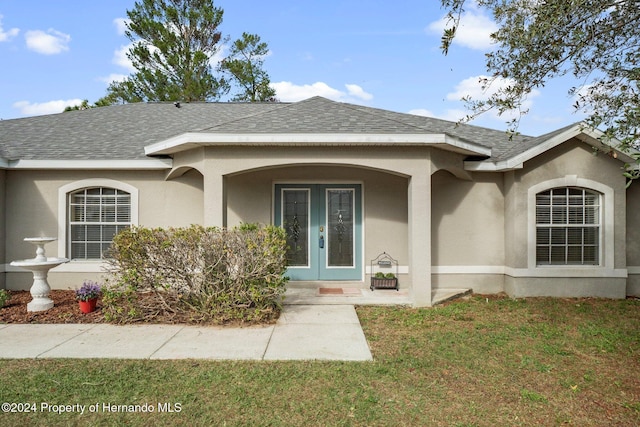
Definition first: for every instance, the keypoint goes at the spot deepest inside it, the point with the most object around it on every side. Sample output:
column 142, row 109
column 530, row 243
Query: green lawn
column 478, row 362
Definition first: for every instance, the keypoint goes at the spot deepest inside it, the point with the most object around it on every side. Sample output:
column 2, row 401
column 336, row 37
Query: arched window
column 95, row 215
column 568, row 226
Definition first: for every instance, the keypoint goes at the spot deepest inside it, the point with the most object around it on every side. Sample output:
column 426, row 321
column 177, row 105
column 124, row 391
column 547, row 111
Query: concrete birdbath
column 39, row 266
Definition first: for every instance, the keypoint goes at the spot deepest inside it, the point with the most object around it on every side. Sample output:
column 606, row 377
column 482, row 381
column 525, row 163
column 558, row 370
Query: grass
column 476, row 362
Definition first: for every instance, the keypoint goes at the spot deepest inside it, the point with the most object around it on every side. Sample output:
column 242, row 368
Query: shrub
column 196, row 274
column 5, row 296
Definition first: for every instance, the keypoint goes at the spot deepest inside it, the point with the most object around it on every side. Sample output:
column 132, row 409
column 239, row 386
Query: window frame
column 606, row 232
column 96, row 213
column 64, row 241
column 558, row 221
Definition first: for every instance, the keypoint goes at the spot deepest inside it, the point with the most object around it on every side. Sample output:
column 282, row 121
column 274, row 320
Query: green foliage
column 595, row 41
column 173, row 43
column 197, row 274
column 5, row 296
column 244, row 66
column 381, row 275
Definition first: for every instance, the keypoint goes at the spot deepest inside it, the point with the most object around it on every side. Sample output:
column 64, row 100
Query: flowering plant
column 89, row 290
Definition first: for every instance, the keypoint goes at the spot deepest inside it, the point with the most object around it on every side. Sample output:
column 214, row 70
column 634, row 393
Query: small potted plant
column 87, row 296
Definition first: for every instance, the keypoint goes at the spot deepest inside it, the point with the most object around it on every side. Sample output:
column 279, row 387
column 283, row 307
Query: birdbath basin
column 39, row 266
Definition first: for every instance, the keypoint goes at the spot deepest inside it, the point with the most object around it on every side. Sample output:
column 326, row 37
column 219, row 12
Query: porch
column 358, row 293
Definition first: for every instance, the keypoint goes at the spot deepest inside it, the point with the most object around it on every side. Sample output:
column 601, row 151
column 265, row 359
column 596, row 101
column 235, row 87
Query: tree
column 597, row 41
column 173, row 43
column 84, row 105
column 244, row 66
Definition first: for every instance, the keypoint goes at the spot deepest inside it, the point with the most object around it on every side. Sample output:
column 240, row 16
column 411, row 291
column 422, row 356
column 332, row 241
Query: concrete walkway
column 303, row 332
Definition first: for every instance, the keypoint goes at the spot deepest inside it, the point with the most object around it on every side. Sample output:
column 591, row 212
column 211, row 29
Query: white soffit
column 142, row 164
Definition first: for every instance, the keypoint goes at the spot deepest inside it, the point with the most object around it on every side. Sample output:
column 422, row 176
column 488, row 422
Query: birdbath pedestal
column 39, row 266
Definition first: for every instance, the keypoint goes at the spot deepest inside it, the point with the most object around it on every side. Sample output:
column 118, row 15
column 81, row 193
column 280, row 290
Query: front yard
column 475, row 362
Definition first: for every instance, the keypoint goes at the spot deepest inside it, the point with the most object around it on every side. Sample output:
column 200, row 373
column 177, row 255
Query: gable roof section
column 319, row 121
column 512, row 156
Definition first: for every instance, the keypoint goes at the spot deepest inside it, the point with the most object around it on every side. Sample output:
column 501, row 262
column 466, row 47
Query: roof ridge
column 454, row 123
column 314, row 99
column 281, row 105
column 516, row 147
column 364, row 109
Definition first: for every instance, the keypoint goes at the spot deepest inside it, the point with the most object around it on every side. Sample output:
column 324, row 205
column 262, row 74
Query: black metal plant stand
column 387, row 275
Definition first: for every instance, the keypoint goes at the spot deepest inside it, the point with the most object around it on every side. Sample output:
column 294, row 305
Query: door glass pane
column 295, row 220
column 340, row 227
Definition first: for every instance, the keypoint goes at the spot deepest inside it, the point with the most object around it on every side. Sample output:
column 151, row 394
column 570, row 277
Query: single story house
column 458, row 206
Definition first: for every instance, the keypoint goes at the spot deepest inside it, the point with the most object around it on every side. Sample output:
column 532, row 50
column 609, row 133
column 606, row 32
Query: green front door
column 324, row 230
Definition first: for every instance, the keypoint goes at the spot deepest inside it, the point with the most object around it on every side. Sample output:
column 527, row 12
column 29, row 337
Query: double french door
column 324, row 230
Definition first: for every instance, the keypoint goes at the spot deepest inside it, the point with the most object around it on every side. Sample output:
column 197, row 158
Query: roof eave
column 587, row 135
column 190, row 140
column 142, row 164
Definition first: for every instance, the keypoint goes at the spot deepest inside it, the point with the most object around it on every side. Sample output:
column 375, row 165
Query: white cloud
column 8, row 34
column 473, row 32
column 358, row 92
column 121, row 25
column 289, row 92
column 220, row 54
column 120, row 58
column 421, row 112
column 50, row 43
column 473, row 87
column 451, row 115
column 51, row 107
column 114, row 77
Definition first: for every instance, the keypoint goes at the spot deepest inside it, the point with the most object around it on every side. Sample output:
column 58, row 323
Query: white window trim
column 606, row 249
column 87, row 266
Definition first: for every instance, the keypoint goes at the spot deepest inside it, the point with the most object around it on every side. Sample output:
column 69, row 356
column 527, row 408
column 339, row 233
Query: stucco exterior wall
column 467, row 231
column 633, row 239
column 3, row 208
column 574, row 164
column 35, row 212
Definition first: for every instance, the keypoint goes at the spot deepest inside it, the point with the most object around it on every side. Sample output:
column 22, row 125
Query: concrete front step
column 327, row 284
column 359, row 293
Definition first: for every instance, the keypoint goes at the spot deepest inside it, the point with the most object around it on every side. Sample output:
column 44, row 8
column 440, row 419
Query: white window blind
column 95, row 216
column 567, row 227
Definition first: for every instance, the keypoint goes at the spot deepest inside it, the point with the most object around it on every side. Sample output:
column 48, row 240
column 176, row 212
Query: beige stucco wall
column 467, row 220
column 572, row 160
column 3, row 207
column 633, row 239
column 33, row 211
column 565, row 287
column 467, row 231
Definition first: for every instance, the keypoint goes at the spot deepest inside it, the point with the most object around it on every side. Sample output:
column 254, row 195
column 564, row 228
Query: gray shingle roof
column 122, row 131
column 114, row 132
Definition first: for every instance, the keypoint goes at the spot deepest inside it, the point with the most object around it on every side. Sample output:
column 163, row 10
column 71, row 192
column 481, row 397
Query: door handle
column 321, row 243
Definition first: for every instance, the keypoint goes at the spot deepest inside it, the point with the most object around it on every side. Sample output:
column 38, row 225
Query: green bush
column 5, row 296
column 196, row 274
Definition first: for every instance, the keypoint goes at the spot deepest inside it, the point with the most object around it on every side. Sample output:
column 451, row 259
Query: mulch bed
column 65, row 309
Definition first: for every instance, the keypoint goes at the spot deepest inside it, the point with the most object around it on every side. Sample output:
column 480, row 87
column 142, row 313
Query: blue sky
column 377, row 53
